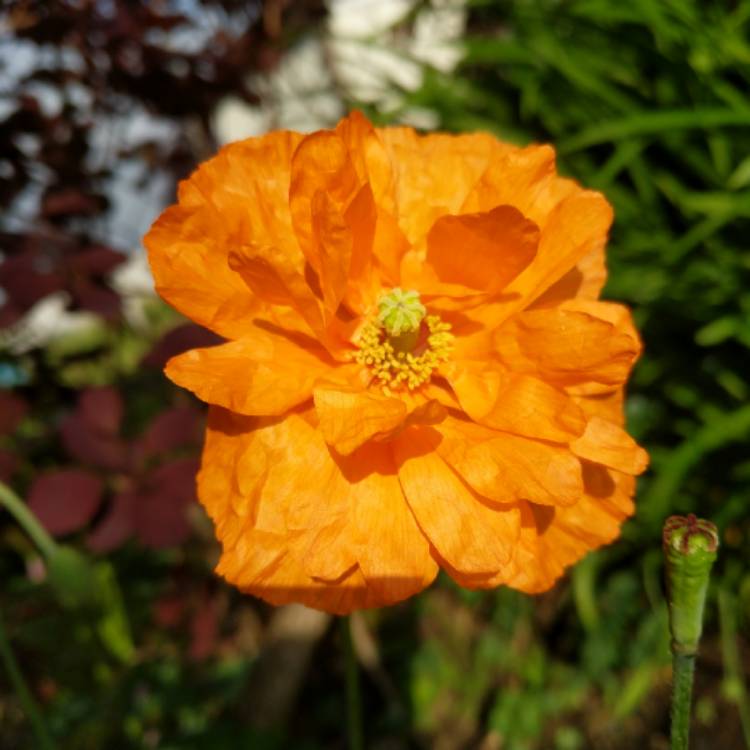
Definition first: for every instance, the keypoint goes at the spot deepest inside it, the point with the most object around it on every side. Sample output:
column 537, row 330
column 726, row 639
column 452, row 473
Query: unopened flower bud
column 690, row 546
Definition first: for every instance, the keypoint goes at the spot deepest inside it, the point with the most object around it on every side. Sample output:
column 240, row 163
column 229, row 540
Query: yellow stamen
column 395, row 368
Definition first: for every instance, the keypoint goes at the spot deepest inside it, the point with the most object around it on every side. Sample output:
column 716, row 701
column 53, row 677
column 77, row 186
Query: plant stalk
column 683, row 669
column 353, row 694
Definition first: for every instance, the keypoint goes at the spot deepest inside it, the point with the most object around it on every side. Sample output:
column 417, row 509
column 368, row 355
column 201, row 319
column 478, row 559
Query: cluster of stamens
column 396, row 364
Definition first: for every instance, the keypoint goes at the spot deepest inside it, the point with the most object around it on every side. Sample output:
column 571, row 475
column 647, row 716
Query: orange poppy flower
column 418, row 373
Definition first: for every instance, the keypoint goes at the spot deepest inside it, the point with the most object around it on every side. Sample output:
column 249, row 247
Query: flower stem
column 43, row 738
column 26, row 520
column 682, row 691
column 353, row 695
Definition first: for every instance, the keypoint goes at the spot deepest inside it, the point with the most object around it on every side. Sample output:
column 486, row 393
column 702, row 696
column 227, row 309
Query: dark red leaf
column 177, row 341
column 102, row 409
column 70, row 201
column 30, row 276
column 204, row 629
column 91, row 447
column 94, row 297
column 13, row 409
column 174, row 428
column 161, row 512
column 117, row 525
column 65, row 501
column 96, row 260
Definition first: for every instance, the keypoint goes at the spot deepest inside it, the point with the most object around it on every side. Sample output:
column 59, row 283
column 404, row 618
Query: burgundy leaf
column 177, row 341
column 117, row 525
column 161, row 512
column 96, row 260
column 174, row 428
column 204, row 629
column 13, row 409
column 88, row 446
column 65, row 501
column 102, row 409
column 30, row 276
column 94, row 297
column 70, row 201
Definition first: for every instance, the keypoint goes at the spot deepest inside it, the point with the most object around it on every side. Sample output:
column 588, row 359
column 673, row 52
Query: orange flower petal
column 281, row 543
column 584, row 281
column 276, row 276
column 192, row 274
column 607, row 443
column 351, row 416
column 284, row 580
column 393, row 554
column 568, row 347
column 524, row 178
column 239, row 193
column 575, row 228
column 552, row 539
column 506, row 468
column 516, row 403
column 324, row 183
column 433, row 174
column 472, row 538
column 262, row 373
column 483, row 251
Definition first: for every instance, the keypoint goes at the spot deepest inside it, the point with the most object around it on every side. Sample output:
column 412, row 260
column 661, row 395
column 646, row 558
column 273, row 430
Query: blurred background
column 104, row 106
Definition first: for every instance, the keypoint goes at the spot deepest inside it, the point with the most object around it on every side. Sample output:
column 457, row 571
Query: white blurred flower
column 362, row 19
column 47, row 320
column 370, row 51
column 132, row 280
column 299, row 95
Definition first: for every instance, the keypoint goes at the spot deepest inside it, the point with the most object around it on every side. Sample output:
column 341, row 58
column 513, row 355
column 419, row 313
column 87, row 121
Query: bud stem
column 683, row 669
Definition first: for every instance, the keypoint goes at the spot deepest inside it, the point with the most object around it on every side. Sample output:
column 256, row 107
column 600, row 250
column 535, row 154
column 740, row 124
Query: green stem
column 682, row 692
column 25, row 518
column 353, row 696
column 43, row 738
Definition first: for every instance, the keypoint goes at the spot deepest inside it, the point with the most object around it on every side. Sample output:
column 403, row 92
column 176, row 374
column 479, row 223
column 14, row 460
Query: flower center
column 403, row 345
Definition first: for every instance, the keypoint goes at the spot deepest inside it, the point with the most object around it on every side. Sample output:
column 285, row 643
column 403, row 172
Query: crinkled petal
column 433, row 174
column 575, row 228
column 241, row 193
column 263, row 373
column 350, row 416
column 522, row 177
column 605, row 442
column 552, row 539
column 286, row 538
column 483, row 251
column 568, row 347
column 472, row 538
column 515, row 403
column 393, row 553
column 277, row 277
column 506, row 468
